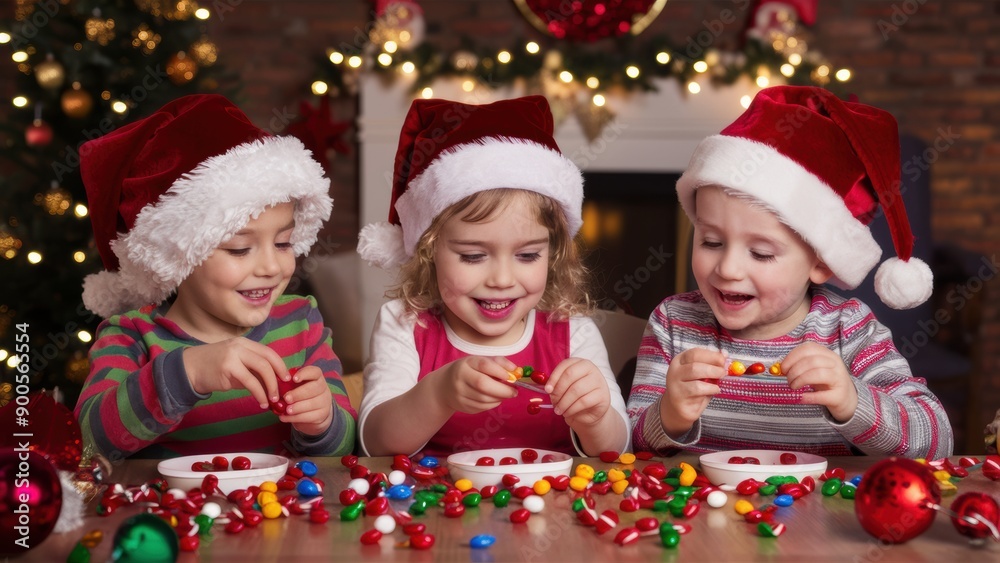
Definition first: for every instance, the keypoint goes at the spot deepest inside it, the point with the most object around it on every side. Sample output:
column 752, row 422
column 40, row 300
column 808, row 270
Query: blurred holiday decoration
column 895, row 500
column 55, row 433
column 590, row 20
column 400, row 22
column 145, row 538
column 29, row 506
column 578, row 71
column 898, row 499
column 319, row 132
column 990, row 434
column 92, row 67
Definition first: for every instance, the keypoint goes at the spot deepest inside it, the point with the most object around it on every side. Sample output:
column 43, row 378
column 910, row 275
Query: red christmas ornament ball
column 892, row 501
column 30, row 500
column 38, row 134
column 972, row 504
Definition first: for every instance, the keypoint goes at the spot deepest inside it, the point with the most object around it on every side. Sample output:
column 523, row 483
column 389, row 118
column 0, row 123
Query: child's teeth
column 257, row 293
column 495, row 306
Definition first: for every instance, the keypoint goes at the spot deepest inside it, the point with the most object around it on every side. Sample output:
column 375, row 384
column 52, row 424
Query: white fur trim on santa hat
column 205, row 208
column 904, row 284
column 381, row 245
column 802, row 201
column 487, row 164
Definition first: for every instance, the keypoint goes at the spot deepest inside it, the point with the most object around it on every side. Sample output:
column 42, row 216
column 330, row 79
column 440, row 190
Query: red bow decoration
column 319, row 132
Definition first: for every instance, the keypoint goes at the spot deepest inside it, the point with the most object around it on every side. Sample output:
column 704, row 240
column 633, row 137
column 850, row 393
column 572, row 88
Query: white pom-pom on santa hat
column 381, row 245
column 904, row 284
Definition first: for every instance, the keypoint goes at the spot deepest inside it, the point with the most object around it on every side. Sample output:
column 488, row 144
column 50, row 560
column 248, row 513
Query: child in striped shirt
column 780, row 201
column 196, row 200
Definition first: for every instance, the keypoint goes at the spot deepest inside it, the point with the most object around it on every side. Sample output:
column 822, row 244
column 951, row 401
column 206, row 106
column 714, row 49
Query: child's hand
column 821, row 368
column 474, row 384
column 691, row 383
column 310, row 404
column 236, row 363
column 579, row 393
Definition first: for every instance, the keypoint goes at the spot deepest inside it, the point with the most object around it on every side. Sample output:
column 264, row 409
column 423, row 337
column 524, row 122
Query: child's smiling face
column 490, row 274
column 235, row 288
column 752, row 269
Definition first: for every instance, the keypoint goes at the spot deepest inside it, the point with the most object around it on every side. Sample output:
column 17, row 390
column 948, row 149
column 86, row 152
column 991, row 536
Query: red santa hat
column 824, row 166
column 166, row 191
column 450, row 150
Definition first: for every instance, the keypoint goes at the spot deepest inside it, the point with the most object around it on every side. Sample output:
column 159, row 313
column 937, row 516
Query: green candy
column 600, row 476
column 669, row 537
column 847, row 491
column 501, row 499
column 832, row 487
column 417, row 508
column 674, row 482
column 472, row 499
column 767, row 490
column 527, row 371
column 660, row 505
column 578, row 505
column 685, row 492
column 765, row 530
column 674, row 473
column 439, row 488
column 676, row 506
column 80, row 554
column 351, row 512
column 204, row 522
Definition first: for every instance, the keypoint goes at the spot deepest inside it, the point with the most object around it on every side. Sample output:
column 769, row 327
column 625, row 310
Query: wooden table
column 818, row 528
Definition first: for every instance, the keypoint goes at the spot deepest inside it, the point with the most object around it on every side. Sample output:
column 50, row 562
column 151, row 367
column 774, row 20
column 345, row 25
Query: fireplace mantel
column 652, row 132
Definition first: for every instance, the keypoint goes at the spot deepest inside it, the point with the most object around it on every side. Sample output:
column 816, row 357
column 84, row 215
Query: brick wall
column 934, row 64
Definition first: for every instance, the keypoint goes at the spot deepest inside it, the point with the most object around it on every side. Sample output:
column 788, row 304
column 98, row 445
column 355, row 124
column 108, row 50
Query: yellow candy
column 688, row 475
column 947, row 488
column 269, row 486
column 578, row 483
column 271, row 510
column 92, row 538
column 541, row 487
column 619, row 486
column 626, row 458
column 615, row 475
column 266, row 497
column 921, row 460
column 463, row 485
column 737, row 368
column 942, row 475
column 742, row 506
column 585, row 471
column 775, row 369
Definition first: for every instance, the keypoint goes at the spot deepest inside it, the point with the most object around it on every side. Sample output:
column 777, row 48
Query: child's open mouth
column 256, row 294
column 734, row 298
column 496, row 309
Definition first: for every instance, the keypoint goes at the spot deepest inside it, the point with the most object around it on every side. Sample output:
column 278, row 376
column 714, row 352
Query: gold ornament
column 77, row 102
column 50, row 74
column 23, row 9
column 145, row 38
column 77, row 367
column 204, row 52
column 181, row 69
column 9, row 244
column 100, row 30
column 56, row 201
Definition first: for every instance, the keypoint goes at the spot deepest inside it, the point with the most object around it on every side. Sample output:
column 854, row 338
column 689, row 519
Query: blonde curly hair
column 566, row 288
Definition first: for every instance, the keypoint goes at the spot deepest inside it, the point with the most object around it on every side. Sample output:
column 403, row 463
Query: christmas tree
column 83, row 68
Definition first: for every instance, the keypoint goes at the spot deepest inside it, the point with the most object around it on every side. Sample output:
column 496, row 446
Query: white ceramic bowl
column 263, row 467
column 463, row 466
column 719, row 471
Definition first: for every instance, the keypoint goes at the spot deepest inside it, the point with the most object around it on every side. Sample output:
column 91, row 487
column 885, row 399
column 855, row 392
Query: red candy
column 235, row 526
column 529, row 455
column 756, row 368
column 202, row 466
column 788, row 459
column 189, row 543
column 736, row 460
column 421, row 541
column 220, row 463
column 510, row 480
column 644, row 455
column 609, row 457
column 455, row 510
column 241, row 463
column 371, row 537
column 540, row 377
column 401, row 463
column 319, row 515
column 485, row 461
column 508, row 461
column 520, row 516
column 751, row 461
column 349, row 461
column 414, row 529
column 627, row 536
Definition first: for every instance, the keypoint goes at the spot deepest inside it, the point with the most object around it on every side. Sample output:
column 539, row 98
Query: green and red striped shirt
column 138, row 401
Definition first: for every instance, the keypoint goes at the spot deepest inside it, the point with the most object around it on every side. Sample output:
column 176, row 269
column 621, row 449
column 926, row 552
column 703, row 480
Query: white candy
column 533, row 503
column 396, row 477
column 385, row 524
column 212, row 510
column 177, row 493
column 717, row 499
column 359, row 485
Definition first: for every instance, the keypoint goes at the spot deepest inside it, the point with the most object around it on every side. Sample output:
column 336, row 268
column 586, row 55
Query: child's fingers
column 565, row 375
column 504, row 362
column 259, row 365
column 702, row 356
column 246, row 379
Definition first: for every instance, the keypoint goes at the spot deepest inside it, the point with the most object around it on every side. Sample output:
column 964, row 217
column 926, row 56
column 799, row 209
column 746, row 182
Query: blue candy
column 482, row 541
column 856, row 480
column 398, row 492
column 429, row 461
column 308, row 468
column 784, row 500
column 308, row 488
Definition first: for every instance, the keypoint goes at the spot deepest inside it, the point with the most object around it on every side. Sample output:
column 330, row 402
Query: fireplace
column 631, row 222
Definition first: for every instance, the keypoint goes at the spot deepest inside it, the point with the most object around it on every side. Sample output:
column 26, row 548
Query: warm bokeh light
column 384, row 59
column 593, row 82
column 468, row 85
column 202, row 13
column 599, row 100
column 694, row 87
column 84, row 336
column 20, row 101
column 745, row 101
column 319, row 87
column 336, row 57
column 390, row 47
column 80, row 210
column 787, row 70
column 843, row 75
column 663, row 57
column 503, row 57
column 700, row 66
column 532, row 48
column 79, row 256
column 119, row 107
column 763, row 81
column 566, row 76
column 19, row 56
column 354, row 62
column 427, row 93
column 632, row 71
column 34, row 257
column 408, row 67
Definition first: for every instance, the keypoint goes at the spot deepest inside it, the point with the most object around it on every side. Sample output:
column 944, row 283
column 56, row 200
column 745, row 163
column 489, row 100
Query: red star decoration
column 319, row 132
